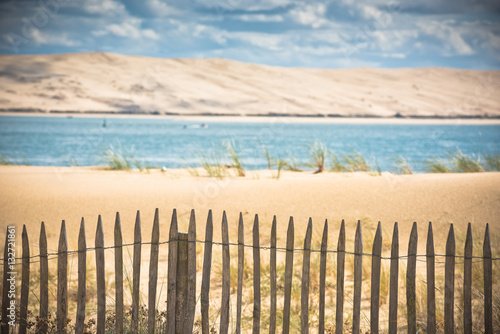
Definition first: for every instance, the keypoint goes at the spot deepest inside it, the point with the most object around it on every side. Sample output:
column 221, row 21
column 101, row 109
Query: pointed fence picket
column 182, row 269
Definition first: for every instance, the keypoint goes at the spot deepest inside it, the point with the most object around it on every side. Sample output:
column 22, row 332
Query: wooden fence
column 181, row 294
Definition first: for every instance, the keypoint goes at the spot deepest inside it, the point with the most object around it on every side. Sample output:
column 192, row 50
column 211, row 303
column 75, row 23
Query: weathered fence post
column 322, row 278
column 394, row 276
column 241, row 262
column 118, row 275
column 205, row 281
column 182, row 275
column 468, row 282
column 226, row 277
column 411, row 270
column 488, row 282
column 62, row 280
column 82, row 272
column 339, row 323
column 375, row 287
column 172, row 274
column 358, row 274
column 44, row 280
column 136, row 274
column 101, row 278
column 288, row 277
column 191, row 277
column 431, row 283
column 25, row 283
column 304, row 296
column 256, row 277
column 272, row 279
column 449, row 284
column 153, row 273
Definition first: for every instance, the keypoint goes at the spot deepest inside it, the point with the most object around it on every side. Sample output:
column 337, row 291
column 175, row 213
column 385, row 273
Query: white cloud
column 310, row 15
column 131, row 28
column 453, row 42
column 45, row 38
column 104, row 7
column 259, row 18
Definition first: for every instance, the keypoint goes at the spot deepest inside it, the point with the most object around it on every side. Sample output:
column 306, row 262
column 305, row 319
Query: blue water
column 63, row 141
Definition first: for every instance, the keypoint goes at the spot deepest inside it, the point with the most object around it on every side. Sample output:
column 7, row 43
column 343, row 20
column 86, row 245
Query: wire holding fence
column 185, row 288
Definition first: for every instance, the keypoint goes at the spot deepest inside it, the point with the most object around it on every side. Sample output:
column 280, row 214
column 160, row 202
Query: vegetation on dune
column 318, row 152
column 118, row 158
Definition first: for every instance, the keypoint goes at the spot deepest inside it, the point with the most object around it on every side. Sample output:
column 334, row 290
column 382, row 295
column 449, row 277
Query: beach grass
column 234, row 155
column 119, row 158
column 318, row 152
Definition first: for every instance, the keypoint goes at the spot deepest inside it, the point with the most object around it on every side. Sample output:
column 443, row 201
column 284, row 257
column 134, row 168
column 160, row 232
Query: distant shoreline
column 270, row 117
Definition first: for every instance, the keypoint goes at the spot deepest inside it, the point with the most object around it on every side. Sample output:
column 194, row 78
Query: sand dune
column 102, row 82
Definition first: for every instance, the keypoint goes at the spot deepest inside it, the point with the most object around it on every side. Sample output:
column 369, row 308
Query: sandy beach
column 33, row 194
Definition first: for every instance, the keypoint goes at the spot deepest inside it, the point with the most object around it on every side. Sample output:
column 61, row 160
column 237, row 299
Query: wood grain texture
column 488, row 282
column 182, row 284
column 62, row 280
column 191, row 279
column 468, row 282
column 153, row 273
column 101, row 278
column 306, row 268
column 431, row 282
column 411, row 270
column 256, row 276
column 241, row 262
column 393, row 284
column 449, row 284
column 205, row 281
column 172, row 274
column 25, row 282
column 288, row 276
column 358, row 278
column 273, row 279
column 44, row 279
column 226, row 278
column 82, row 280
column 375, row 281
column 136, row 274
column 322, row 279
column 118, row 275
column 339, row 311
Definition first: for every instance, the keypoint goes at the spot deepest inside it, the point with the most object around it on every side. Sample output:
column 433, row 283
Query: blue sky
column 319, row 34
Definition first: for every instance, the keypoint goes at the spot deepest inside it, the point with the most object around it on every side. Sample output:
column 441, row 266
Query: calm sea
column 64, row 141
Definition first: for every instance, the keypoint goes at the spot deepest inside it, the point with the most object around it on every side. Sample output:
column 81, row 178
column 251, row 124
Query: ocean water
column 67, row 141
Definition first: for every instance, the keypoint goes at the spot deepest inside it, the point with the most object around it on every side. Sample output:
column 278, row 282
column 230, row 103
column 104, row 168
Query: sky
column 292, row 33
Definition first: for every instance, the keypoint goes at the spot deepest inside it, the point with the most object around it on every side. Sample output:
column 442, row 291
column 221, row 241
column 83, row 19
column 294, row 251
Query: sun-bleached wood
column 431, row 282
column 191, row 278
column 288, row 276
column 411, row 270
column 272, row 279
column 62, row 280
column 468, row 282
column 101, row 278
column 118, row 275
column 172, row 273
column 136, row 274
column 322, row 278
column 25, row 282
column 358, row 277
column 153, row 273
column 339, row 312
column 393, row 283
column 488, row 282
column 241, row 262
column 44, row 279
column 256, row 276
column 449, row 284
column 182, row 284
column 226, row 279
column 82, row 280
column 375, row 282
column 205, row 281
column 306, row 266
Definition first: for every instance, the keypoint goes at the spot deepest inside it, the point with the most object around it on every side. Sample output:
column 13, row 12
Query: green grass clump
column 234, row 155
column 121, row 159
column 491, row 160
column 337, row 165
column 463, row 163
column 4, row 160
column 403, row 166
column 436, row 165
column 212, row 164
column 355, row 162
column 318, row 152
